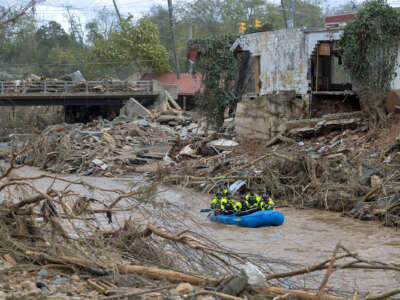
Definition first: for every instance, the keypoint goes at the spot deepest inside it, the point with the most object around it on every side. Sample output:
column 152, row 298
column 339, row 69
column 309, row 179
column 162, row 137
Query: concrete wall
column 283, row 59
column 284, row 56
column 264, row 116
column 159, row 88
column 396, row 81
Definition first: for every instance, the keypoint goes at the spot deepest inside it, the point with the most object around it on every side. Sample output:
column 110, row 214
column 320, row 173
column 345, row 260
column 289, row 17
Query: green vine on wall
column 370, row 48
column 218, row 67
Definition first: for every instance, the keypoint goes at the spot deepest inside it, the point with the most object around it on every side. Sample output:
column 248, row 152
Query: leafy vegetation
column 111, row 49
column 370, row 47
column 106, row 47
column 218, row 67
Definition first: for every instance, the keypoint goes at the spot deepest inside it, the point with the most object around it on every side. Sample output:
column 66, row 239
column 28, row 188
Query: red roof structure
column 187, row 84
column 339, row 19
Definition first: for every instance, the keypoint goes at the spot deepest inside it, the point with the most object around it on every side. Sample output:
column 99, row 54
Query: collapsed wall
column 262, row 117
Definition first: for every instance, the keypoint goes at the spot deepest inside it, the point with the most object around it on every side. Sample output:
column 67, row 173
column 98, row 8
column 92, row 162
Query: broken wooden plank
column 173, row 102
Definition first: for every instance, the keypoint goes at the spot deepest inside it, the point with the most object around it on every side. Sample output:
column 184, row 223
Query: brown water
column 307, row 237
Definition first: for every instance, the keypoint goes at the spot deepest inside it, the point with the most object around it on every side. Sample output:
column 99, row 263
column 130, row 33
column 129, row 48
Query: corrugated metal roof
column 339, row 19
column 187, row 84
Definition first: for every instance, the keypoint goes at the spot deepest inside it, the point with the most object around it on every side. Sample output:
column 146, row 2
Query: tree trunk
column 373, row 103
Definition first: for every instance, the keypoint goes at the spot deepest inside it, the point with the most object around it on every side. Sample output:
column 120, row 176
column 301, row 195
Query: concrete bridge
column 68, row 93
column 85, row 100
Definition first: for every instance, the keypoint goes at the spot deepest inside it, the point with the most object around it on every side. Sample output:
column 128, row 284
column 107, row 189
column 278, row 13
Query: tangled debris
column 58, row 243
column 352, row 171
column 106, row 148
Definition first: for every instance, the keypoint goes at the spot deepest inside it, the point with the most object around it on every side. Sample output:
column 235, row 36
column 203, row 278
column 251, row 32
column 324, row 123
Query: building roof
column 187, row 84
column 339, row 19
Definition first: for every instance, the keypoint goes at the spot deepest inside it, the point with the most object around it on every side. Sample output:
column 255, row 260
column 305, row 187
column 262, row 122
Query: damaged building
column 294, row 74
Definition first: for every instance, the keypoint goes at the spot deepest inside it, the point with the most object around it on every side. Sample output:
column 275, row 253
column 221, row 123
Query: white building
column 306, row 62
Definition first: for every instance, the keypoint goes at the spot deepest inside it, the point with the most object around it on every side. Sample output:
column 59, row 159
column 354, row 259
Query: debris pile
column 106, row 148
column 71, row 83
column 352, row 171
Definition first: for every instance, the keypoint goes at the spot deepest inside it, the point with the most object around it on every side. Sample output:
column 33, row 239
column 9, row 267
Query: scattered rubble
column 105, row 148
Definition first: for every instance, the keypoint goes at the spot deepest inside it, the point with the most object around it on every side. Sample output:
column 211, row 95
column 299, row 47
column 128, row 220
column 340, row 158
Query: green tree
column 138, row 43
column 218, row 67
column 370, row 47
column 308, row 14
column 61, row 61
column 47, row 37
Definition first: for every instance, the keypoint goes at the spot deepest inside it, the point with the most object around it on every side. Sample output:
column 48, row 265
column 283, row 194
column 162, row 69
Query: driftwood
column 218, row 294
column 356, row 263
column 317, row 267
column 127, row 269
column 280, row 138
column 302, row 295
column 163, row 274
column 384, row 295
column 131, row 294
column 330, row 270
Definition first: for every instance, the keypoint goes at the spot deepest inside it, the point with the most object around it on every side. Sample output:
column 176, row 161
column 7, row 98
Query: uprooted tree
column 370, row 47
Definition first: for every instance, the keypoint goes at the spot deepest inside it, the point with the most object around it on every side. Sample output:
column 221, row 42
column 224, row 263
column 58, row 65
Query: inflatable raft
column 259, row 218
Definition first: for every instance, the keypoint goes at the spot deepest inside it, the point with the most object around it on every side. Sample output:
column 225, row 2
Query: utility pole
column 190, row 38
column 34, row 12
column 290, row 21
column 190, row 29
column 284, row 13
column 172, row 25
column 353, row 7
column 117, row 11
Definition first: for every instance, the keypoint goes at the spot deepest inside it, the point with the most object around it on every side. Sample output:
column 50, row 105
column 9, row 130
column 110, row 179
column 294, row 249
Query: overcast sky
column 85, row 9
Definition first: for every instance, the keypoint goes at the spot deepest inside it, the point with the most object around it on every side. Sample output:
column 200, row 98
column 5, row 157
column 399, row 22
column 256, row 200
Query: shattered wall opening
column 326, row 69
column 331, row 86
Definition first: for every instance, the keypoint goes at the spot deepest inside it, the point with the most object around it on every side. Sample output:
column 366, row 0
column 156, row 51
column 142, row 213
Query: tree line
column 111, row 47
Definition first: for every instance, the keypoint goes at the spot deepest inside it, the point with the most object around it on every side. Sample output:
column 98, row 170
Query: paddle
column 246, row 212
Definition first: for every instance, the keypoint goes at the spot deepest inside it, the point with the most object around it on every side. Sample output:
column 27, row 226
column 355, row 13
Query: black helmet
column 218, row 193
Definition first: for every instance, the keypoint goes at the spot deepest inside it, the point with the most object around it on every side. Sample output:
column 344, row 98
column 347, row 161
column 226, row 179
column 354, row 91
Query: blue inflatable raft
column 256, row 219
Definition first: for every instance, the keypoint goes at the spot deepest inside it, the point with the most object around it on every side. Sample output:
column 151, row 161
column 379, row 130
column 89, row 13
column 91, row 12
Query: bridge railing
column 69, row 87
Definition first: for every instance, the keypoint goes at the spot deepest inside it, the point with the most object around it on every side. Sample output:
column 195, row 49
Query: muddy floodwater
column 308, row 236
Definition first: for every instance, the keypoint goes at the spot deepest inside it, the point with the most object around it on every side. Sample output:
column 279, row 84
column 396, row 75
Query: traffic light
column 257, row 24
column 242, row 27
